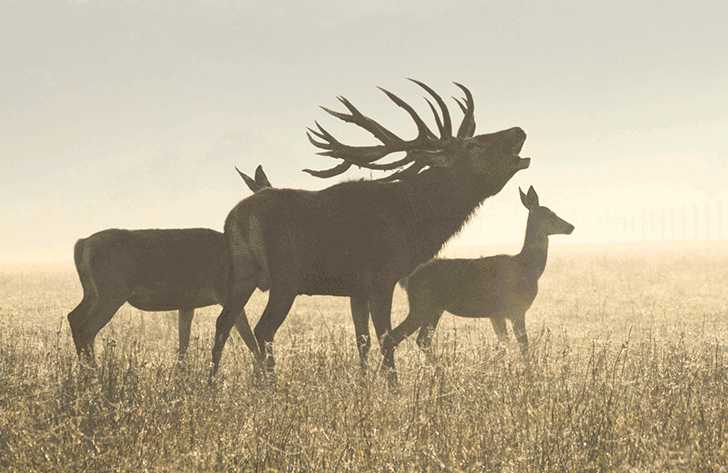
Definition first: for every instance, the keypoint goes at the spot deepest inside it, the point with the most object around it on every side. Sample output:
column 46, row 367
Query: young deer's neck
column 535, row 248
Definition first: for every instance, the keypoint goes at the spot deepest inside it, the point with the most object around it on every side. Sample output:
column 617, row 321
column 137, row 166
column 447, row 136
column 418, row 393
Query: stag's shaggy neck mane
column 440, row 204
column 429, row 208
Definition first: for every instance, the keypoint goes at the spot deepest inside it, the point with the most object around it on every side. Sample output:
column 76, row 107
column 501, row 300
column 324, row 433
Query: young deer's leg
column 184, row 326
column 424, row 338
column 519, row 330
column 417, row 317
column 360, row 316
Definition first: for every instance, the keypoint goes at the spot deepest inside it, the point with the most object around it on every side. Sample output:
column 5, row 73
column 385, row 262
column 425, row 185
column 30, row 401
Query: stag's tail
column 404, row 283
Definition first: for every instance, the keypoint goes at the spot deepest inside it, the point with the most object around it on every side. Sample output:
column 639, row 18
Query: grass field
column 630, row 374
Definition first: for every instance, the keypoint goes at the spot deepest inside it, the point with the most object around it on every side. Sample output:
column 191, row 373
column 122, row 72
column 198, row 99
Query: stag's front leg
column 380, row 304
column 360, row 316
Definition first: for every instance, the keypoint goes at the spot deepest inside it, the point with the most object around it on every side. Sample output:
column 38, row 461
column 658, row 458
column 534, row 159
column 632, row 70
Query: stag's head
column 494, row 156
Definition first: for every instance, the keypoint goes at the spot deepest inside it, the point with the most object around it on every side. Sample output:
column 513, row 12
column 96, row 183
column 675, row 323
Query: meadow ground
column 629, row 374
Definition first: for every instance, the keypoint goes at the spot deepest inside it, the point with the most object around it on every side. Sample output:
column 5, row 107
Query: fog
column 133, row 114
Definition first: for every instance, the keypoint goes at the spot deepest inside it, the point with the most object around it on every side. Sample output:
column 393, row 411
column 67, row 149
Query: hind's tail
column 78, row 253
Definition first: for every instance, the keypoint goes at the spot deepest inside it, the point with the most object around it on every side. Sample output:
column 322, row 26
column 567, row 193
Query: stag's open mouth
column 518, row 138
column 523, row 163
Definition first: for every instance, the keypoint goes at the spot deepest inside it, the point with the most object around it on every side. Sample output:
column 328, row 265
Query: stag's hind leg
column 279, row 304
column 233, row 313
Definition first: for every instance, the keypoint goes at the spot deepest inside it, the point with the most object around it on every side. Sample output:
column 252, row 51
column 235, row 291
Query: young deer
column 498, row 287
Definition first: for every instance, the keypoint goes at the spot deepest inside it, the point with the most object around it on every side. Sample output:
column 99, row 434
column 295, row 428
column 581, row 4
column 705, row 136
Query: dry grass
column 630, row 375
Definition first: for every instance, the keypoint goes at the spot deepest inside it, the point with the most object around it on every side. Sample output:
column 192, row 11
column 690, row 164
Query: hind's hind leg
column 99, row 316
column 78, row 316
column 184, row 326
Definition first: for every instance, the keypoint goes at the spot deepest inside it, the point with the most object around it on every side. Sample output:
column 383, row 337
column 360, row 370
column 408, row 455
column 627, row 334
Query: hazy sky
column 132, row 114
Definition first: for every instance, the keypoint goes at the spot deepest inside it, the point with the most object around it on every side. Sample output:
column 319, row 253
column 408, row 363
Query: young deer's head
column 547, row 222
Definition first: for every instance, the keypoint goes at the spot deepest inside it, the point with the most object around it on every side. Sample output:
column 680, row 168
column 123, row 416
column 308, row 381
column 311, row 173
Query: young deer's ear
column 532, row 197
column 261, row 179
column 524, row 201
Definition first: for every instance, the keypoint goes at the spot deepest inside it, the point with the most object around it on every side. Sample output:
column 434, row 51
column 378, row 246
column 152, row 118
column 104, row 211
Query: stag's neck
column 532, row 257
column 440, row 204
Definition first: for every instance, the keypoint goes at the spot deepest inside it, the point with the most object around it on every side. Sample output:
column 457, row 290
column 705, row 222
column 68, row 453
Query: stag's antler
column 418, row 150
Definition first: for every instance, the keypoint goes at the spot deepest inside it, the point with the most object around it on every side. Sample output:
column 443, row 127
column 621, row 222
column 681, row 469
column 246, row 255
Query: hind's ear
column 524, row 201
column 532, row 197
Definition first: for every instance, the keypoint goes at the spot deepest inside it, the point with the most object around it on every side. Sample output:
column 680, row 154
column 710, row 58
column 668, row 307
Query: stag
column 358, row 238
column 499, row 287
column 153, row 270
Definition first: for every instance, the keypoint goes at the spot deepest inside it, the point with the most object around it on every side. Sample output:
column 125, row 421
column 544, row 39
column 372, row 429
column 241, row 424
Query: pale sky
column 133, row 114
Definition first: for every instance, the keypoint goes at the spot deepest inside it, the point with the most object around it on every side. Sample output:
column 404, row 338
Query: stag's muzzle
column 523, row 163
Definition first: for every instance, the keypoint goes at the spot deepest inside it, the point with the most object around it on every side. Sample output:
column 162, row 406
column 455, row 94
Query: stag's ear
column 248, row 180
column 261, row 179
column 532, row 197
column 438, row 158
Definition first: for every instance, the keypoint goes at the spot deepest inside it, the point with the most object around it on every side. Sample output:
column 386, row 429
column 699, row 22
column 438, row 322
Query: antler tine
column 446, row 129
column 437, row 118
column 335, row 149
column 324, row 135
column 461, row 104
column 358, row 118
column 359, row 155
column 343, row 167
column 467, row 127
column 406, row 173
column 334, row 171
column 386, row 167
column 423, row 131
